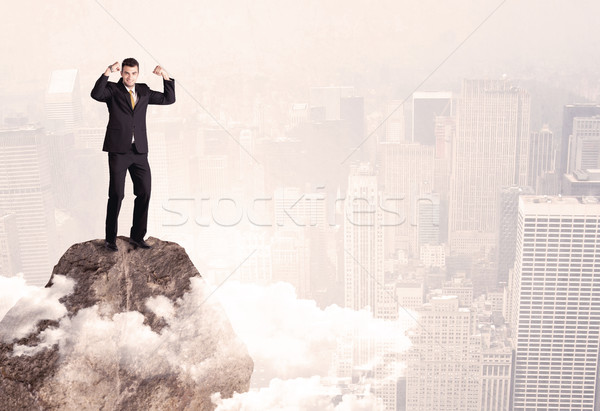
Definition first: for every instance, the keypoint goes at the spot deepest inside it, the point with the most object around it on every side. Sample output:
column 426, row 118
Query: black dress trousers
column 139, row 170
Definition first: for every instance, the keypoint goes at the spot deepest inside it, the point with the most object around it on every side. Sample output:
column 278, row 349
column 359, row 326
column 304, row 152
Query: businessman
column 127, row 143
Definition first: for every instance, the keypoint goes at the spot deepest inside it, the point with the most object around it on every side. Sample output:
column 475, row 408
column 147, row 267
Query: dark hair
column 130, row 62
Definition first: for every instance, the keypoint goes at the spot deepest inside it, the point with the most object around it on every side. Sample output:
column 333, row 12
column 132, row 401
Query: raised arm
column 100, row 92
column 168, row 95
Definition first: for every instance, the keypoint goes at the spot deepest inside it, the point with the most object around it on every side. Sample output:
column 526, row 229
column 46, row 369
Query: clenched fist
column 111, row 68
column 158, row 70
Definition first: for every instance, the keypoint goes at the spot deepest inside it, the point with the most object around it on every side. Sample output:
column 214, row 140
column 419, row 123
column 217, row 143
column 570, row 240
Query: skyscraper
column 569, row 113
column 63, row 101
column 26, row 190
column 330, row 98
column 444, row 366
column 507, row 228
column 10, row 258
column 363, row 240
column 584, row 144
column 425, row 108
column 554, row 306
column 490, row 152
column 408, row 176
column 428, row 220
column 541, row 157
column 395, row 124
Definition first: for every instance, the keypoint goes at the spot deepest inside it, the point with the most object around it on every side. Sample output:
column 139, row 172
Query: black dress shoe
column 139, row 243
column 111, row 246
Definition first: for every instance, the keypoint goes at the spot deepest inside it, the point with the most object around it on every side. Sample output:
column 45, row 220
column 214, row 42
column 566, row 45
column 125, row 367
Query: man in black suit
column 126, row 142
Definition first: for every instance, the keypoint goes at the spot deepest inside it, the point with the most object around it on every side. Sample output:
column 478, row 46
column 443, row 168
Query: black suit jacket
column 123, row 121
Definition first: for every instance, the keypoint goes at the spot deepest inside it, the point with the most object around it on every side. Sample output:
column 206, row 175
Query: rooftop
column 568, row 205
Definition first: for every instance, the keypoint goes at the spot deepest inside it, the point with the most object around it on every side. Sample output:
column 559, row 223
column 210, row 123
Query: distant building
column 582, row 183
column 496, row 300
column 63, row 101
column 363, row 241
column 10, row 257
column 299, row 113
column 426, row 106
column 490, row 152
column 428, row 219
column 343, row 111
column 395, row 125
column 453, row 364
column 258, row 269
column 569, row 113
column 444, row 363
column 496, row 378
column 408, row 175
column 290, row 260
column 433, row 255
column 507, row 228
column 295, row 210
column 584, row 144
column 409, row 295
column 460, row 287
column 330, row 99
column 27, row 191
column 542, row 155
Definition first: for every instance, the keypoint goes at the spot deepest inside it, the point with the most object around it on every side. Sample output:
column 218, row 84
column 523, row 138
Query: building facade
column 555, row 303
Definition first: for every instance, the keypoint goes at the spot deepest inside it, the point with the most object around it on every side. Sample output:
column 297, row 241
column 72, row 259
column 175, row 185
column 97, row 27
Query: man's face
column 129, row 75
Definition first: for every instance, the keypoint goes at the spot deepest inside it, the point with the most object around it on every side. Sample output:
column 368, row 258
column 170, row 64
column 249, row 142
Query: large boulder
column 136, row 329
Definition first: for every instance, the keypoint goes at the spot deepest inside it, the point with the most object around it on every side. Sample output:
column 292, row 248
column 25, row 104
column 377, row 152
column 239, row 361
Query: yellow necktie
column 132, row 99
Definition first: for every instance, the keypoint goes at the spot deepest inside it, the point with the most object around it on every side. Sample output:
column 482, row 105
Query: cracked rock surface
column 140, row 332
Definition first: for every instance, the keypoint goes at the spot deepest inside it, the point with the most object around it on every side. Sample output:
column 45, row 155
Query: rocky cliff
column 133, row 330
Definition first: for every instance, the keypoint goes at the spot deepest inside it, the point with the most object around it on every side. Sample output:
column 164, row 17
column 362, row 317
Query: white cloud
column 289, row 337
column 299, row 394
column 92, row 337
column 31, row 305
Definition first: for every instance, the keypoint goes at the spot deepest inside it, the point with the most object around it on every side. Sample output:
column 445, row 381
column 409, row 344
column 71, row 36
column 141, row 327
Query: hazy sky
column 297, row 42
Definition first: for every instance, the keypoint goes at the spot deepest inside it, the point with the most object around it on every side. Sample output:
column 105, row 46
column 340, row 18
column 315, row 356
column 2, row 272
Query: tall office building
column 330, row 99
column 290, row 260
column 306, row 213
column 507, row 228
column 584, row 144
column 542, row 156
column 395, row 126
column 445, row 129
column 63, row 101
column 26, row 190
column 452, row 364
column 364, row 283
column 554, row 308
column 444, row 366
column 569, row 113
column 408, row 176
column 428, row 220
column 10, row 257
column 259, row 266
column 363, row 240
column 427, row 105
column 352, row 116
column 496, row 377
column 490, row 152
column 294, row 208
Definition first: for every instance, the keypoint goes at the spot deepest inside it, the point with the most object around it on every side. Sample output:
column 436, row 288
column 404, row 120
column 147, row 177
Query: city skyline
column 334, row 168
